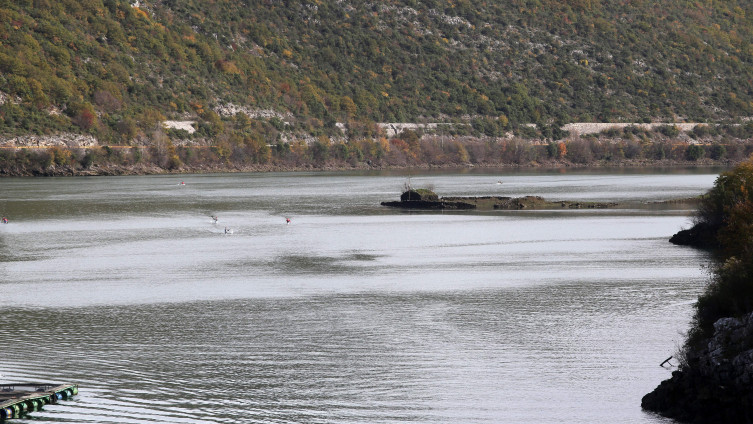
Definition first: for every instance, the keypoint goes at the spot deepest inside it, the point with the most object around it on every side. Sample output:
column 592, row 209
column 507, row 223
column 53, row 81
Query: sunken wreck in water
column 425, row 199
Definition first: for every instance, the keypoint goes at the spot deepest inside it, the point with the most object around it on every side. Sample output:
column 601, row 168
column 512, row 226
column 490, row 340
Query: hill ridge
column 532, row 61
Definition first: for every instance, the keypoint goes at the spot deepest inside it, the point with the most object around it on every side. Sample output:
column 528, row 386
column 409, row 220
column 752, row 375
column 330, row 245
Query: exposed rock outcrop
column 714, row 387
column 187, row 126
column 230, row 109
column 581, row 128
column 59, row 140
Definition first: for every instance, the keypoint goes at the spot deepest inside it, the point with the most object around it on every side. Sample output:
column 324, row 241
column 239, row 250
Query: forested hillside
column 114, row 68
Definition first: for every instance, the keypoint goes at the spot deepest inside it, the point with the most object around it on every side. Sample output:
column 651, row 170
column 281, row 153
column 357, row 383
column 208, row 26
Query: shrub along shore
column 714, row 381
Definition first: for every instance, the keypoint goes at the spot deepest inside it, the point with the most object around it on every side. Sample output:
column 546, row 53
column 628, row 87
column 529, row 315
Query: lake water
column 352, row 312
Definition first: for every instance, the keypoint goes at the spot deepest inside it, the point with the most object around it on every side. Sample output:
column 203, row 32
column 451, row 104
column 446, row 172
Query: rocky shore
column 715, row 385
column 714, row 379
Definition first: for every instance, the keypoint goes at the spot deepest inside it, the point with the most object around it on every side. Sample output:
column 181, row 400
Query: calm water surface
column 352, row 313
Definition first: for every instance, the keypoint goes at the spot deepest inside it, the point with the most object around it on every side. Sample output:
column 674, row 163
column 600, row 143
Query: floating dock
column 17, row 399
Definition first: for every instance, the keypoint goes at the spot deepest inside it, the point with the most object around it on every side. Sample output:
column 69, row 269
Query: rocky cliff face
column 728, row 358
column 715, row 384
column 68, row 140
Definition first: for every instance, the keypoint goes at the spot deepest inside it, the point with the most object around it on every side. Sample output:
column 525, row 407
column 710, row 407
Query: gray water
column 352, row 312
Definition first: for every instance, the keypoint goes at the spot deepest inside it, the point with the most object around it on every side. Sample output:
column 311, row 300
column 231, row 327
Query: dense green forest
column 115, row 69
column 112, row 69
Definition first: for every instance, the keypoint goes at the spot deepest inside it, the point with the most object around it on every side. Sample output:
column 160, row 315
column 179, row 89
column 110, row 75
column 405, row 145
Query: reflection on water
column 350, row 313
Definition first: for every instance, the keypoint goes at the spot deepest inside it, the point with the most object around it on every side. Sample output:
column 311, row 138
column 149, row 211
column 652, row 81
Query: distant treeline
column 405, row 150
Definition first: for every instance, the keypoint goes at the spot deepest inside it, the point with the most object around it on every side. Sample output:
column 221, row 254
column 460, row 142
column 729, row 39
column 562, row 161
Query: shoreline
column 151, row 169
